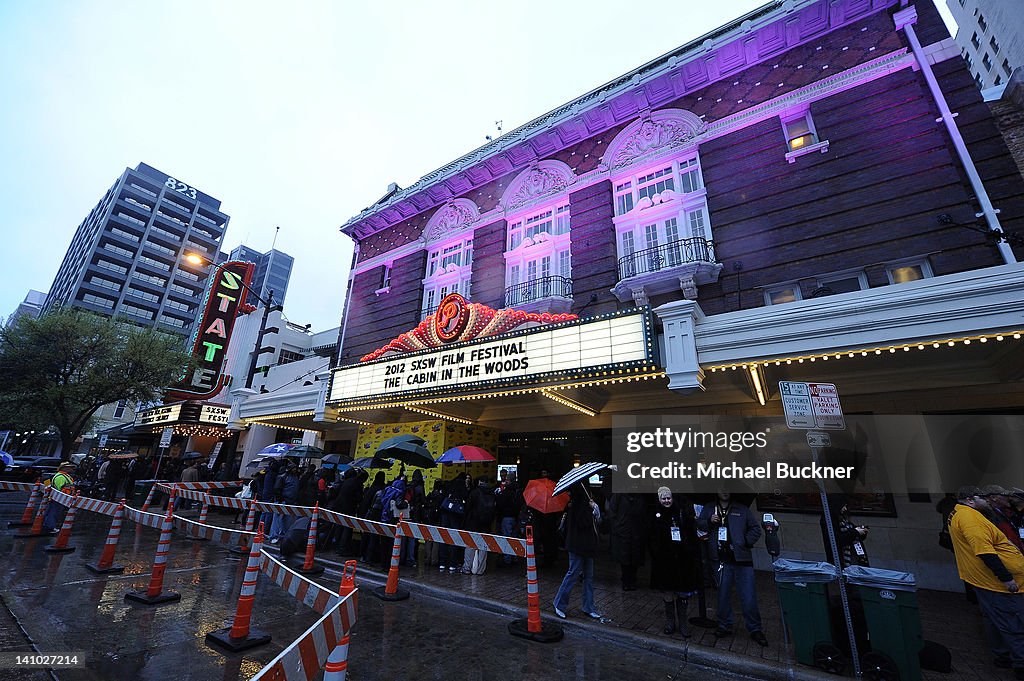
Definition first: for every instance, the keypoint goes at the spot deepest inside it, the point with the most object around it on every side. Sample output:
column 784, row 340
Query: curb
column 696, row 655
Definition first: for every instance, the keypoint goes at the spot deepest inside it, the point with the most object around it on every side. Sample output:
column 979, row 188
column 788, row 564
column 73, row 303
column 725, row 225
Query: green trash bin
column 894, row 623
column 803, row 595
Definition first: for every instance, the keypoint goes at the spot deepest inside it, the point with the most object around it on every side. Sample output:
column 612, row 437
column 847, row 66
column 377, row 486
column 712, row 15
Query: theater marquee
column 550, row 355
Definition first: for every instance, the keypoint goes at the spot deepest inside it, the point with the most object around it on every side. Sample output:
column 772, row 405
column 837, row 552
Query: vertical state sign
column 213, row 332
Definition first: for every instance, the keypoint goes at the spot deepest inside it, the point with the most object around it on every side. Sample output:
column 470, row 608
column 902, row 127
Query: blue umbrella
column 276, row 450
column 6, row 458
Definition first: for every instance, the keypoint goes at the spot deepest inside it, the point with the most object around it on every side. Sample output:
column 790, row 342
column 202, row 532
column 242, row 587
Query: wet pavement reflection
column 64, row 607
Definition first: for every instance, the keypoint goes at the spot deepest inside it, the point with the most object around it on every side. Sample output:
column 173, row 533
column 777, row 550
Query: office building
column 125, row 259
column 273, row 270
column 991, row 38
column 32, row 306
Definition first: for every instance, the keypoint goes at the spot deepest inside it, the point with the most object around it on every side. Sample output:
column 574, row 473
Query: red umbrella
column 538, row 496
column 465, row 454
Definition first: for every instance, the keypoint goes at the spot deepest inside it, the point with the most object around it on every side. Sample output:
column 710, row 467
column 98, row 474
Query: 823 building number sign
column 180, row 187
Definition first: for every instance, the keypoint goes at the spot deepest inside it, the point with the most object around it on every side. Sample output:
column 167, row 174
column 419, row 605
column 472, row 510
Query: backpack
column 377, row 505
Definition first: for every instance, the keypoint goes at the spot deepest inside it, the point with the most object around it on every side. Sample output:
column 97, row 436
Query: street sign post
column 103, row 441
column 815, row 407
column 165, row 436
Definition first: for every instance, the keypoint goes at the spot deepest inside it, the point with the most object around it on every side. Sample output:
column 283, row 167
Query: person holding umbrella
column 580, row 518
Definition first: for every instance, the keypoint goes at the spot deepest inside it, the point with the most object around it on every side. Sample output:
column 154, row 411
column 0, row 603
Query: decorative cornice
column 761, row 35
column 653, row 135
column 541, row 180
column 450, row 219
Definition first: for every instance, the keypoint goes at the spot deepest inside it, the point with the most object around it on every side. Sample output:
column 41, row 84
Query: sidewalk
column 946, row 618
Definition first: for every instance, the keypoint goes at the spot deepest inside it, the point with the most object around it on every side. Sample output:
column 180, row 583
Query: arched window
column 449, row 238
column 538, row 244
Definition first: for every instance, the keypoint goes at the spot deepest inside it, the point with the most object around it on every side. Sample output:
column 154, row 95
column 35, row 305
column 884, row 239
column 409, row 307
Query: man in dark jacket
column 287, row 491
column 479, row 518
column 509, row 505
column 733, row 530
column 629, row 535
column 347, row 503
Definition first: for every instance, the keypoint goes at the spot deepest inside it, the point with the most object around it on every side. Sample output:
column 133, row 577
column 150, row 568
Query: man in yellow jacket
column 990, row 563
column 62, row 482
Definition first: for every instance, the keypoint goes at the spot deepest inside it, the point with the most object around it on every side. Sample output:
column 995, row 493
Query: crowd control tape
column 65, row 500
column 97, row 506
column 154, row 520
column 304, row 659
column 214, row 499
column 17, row 486
column 361, row 524
column 511, row 546
column 284, row 509
column 303, row 590
column 212, row 484
column 230, row 537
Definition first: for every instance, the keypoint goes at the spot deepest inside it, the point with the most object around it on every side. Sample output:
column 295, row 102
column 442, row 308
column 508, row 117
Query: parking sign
column 812, row 405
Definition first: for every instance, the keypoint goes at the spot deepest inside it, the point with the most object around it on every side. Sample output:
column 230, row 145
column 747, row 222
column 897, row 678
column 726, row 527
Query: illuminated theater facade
column 787, row 198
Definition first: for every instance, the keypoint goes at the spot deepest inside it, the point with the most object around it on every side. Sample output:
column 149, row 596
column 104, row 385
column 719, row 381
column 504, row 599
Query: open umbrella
column 465, row 454
column 123, row 455
column 306, row 452
column 276, row 450
column 408, row 449
column 256, row 463
column 579, row 474
column 6, row 458
column 539, row 495
column 371, row 462
column 188, row 456
column 336, row 459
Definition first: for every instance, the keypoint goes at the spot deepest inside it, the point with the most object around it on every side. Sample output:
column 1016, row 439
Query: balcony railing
column 538, row 289
column 696, row 249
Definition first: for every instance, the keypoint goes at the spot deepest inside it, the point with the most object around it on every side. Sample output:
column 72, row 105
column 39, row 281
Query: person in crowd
column 394, row 507
column 432, row 516
column 62, row 481
column 287, row 491
column 323, row 481
column 189, row 474
column 479, row 518
column 453, row 511
column 850, row 537
column 307, row 486
column 267, row 493
column 675, row 563
column 581, row 518
column 509, row 504
column 988, row 561
column 546, row 527
column 115, row 475
column 369, row 508
column 733, row 530
column 346, row 502
column 628, row 523
column 1001, row 513
column 296, row 538
column 416, row 496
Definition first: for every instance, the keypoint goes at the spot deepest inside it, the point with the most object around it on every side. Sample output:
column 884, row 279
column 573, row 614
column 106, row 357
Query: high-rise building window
column 982, row 23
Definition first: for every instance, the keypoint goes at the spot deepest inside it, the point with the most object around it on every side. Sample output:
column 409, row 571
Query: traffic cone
column 37, row 525
column 532, row 628
column 239, row 636
column 337, row 660
column 61, row 545
column 149, row 498
column 250, row 524
column 33, row 501
column 348, row 578
column 202, row 519
column 155, row 594
column 308, row 566
column 391, row 592
column 106, row 562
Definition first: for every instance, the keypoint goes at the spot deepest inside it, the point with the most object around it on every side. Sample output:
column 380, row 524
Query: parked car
column 34, row 468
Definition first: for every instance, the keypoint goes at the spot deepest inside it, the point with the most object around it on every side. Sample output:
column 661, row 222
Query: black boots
column 681, row 607
column 670, row 617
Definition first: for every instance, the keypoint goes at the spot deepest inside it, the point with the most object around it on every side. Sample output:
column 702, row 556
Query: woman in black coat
column 629, row 518
column 674, row 558
column 458, row 492
column 581, row 518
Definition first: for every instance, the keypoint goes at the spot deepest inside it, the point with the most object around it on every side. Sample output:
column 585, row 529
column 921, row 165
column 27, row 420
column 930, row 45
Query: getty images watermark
column 874, row 454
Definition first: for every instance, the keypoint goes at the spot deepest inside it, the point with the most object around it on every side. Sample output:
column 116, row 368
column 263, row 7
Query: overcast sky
column 292, row 114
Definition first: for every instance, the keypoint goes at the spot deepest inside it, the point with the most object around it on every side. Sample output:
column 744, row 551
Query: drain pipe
column 905, row 18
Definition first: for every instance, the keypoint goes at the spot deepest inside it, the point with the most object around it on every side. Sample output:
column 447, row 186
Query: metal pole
column 259, row 339
column 815, row 451
column 159, row 462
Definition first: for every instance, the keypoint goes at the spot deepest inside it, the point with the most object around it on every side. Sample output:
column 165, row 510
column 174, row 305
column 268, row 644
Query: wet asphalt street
column 63, row 608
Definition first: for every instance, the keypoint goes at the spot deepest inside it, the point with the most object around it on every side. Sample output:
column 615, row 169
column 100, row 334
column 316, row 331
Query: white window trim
column 458, row 276
column 820, row 145
column 794, row 286
column 926, row 268
column 385, row 279
column 823, row 281
column 535, row 248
